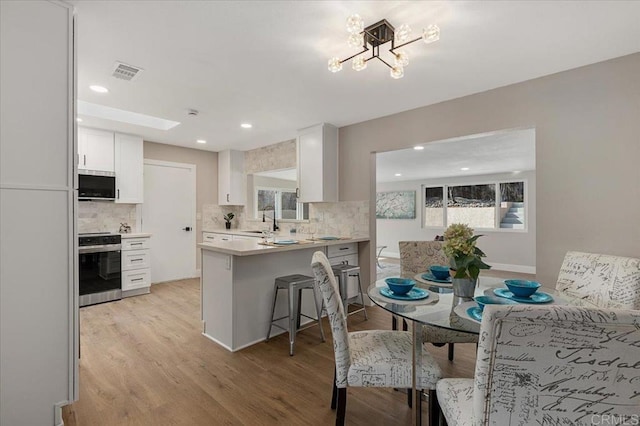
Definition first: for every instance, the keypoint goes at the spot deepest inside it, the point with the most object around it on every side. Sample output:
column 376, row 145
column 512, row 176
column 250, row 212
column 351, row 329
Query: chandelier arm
column 372, row 36
column 404, row 44
column 353, row 56
column 384, row 62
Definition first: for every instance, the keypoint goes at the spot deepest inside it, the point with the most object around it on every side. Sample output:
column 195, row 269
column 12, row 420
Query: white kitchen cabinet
column 232, row 185
column 318, row 164
column 129, row 168
column 96, row 150
column 208, row 237
column 345, row 253
column 136, row 266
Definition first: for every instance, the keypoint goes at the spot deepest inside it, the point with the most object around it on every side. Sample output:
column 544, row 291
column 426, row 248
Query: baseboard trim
column 523, row 269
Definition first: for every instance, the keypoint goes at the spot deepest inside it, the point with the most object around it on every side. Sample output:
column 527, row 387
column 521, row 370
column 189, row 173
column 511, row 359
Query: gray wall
column 505, row 249
column 587, row 123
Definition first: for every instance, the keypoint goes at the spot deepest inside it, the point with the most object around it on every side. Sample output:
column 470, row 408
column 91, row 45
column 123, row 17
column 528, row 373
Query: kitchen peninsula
column 237, row 284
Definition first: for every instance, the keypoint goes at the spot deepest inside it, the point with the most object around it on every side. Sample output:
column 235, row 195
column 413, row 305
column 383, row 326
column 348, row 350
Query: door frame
column 194, row 191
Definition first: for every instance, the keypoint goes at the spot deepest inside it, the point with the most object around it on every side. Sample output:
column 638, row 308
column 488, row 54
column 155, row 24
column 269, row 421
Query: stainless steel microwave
column 99, row 186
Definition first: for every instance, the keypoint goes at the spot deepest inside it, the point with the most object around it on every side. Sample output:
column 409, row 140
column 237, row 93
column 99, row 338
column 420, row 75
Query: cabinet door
column 129, row 168
column 231, row 178
column 96, row 150
column 318, row 164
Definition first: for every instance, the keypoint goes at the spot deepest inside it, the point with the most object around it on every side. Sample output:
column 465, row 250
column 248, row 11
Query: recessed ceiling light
column 79, row 120
column 418, row 148
column 246, row 125
column 115, row 114
column 464, row 169
column 99, row 89
column 201, row 141
column 398, row 174
column 515, row 172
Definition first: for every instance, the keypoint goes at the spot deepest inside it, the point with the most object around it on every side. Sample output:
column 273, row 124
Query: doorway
column 168, row 213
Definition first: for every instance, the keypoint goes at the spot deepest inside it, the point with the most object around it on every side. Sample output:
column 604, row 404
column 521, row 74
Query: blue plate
column 329, row 238
column 414, row 294
column 285, row 242
column 537, row 297
column 429, row 277
column 475, row 313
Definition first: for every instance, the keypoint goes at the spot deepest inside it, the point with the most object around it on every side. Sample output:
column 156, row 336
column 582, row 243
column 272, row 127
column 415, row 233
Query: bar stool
column 295, row 284
column 343, row 272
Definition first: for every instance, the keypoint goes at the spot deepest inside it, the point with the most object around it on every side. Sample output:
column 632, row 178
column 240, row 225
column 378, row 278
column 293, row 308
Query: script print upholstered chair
column 416, row 257
column 555, row 365
column 373, row 358
column 606, row 281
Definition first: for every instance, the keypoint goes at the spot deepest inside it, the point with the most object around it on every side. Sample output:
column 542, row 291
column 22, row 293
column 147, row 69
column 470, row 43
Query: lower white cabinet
column 345, row 253
column 136, row 266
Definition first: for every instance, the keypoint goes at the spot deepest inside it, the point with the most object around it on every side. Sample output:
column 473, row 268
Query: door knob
column 188, row 228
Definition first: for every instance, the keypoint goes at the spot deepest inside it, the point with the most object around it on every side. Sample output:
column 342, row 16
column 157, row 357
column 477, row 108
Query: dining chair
column 549, row 365
column 604, row 280
column 416, row 257
column 372, row 358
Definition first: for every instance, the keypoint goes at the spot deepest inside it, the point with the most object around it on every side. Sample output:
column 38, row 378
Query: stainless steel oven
column 99, row 268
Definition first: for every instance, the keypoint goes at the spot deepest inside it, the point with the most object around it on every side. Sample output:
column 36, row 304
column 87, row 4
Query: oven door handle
column 99, row 249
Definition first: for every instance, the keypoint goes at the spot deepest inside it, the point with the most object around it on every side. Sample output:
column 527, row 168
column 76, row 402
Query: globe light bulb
column 356, row 40
column 431, row 34
column 359, row 63
column 397, row 72
column 402, row 33
column 402, row 58
column 334, row 64
column 355, row 23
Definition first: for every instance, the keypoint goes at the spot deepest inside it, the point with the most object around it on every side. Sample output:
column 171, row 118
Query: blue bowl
column 522, row 288
column 440, row 272
column 492, row 300
column 400, row 286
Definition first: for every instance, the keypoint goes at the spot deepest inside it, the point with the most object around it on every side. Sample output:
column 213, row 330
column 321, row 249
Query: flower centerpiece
column 464, row 258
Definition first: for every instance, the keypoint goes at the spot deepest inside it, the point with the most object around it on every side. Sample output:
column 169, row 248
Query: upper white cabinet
column 95, row 150
column 231, row 179
column 129, row 168
column 318, row 164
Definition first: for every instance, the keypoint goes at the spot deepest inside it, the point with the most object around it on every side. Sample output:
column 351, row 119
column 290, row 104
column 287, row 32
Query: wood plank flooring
column 145, row 362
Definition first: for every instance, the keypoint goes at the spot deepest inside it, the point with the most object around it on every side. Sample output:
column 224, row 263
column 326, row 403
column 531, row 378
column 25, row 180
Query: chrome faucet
column 264, row 216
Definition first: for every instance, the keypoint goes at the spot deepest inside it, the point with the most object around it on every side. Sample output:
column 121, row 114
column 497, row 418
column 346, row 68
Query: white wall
column 505, row 249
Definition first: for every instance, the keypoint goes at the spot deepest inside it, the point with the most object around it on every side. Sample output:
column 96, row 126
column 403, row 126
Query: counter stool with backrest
column 295, row 284
column 343, row 272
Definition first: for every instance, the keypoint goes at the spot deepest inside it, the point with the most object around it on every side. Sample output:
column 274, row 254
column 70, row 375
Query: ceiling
column 265, row 62
column 499, row 152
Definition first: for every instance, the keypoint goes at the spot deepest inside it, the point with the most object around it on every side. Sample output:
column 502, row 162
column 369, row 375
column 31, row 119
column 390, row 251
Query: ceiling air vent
column 126, row 72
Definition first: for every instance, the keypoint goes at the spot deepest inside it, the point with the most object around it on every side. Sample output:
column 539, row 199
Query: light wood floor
column 145, row 362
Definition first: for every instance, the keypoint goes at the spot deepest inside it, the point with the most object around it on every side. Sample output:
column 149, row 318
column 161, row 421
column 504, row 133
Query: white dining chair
column 604, row 280
column 372, row 358
column 549, row 365
column 419, row 256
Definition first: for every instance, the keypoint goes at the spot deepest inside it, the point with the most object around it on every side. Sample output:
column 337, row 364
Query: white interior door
column 168, row 213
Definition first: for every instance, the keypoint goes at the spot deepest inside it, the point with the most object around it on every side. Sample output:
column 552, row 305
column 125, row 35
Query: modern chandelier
column 374, row 36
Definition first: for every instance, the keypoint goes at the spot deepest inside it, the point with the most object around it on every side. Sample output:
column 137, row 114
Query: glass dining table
column 441, row 308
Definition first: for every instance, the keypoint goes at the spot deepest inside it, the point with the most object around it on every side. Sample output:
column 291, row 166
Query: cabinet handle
column 297, row 192
column 343, row 248
column 84, row 159
column 118, row 194
column 227, row 198
column 136, row 244
column 137, row 279
column 137, row 260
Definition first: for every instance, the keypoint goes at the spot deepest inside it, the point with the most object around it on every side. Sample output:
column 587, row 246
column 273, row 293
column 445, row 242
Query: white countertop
column 251, row 247
column 135, row 235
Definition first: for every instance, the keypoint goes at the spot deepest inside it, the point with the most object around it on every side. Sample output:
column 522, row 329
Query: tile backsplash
column 104, row 216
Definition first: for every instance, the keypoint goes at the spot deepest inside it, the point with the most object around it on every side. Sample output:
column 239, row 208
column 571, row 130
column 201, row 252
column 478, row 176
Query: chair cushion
column 455, row 397
column 382, row 358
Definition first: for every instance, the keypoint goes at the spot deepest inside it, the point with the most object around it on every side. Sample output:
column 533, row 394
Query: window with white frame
column 279, row 201
column 495, row 205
